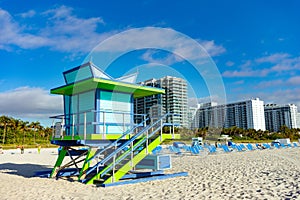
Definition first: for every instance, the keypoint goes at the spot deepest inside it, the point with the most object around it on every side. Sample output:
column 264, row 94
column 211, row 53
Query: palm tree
column 4, row 122
column 48, row 133
column 15, row 125
column 23, row 128
column 35, row 126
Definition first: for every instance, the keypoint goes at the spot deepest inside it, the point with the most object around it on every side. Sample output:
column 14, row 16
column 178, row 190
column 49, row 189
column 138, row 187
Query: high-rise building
column 279, row 115
column 150, row 105
column 211, row 115
column 298, row 120
column 173, row 101
column 245, row 114
column 193, row 118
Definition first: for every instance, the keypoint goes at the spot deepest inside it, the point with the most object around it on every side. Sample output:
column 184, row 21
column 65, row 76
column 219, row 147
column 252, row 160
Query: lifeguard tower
column 97, row 130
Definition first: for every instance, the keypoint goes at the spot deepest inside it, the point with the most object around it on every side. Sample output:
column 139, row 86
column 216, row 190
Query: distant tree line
column 251, row 134
column 16, row 131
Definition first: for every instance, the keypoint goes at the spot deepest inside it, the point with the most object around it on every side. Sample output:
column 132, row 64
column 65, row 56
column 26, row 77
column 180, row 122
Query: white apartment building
column 245, row 114
column 193, row 118
column 298, row 120
column 173, row 101
column 279, row 115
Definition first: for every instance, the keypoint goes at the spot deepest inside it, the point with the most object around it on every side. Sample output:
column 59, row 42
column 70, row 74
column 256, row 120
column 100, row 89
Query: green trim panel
column 93, row 83
column 86, row 164
column 170, row 136
column 59, row 161
column 97, row 176
column 140, row 156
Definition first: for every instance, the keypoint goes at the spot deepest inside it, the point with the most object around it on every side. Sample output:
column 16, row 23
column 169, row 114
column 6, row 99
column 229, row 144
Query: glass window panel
column 78, row 75
column 87, row 101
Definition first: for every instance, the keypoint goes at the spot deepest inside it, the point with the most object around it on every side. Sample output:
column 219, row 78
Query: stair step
column 123, row 159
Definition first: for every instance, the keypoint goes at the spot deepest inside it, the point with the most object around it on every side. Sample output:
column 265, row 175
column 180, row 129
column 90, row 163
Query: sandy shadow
column 25, row 170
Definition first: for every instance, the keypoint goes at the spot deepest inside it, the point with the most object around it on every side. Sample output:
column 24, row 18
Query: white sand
column 260, row 174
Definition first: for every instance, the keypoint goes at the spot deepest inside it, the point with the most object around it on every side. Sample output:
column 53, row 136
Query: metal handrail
column 116, row 141
column 132, row 149
column 107, row 158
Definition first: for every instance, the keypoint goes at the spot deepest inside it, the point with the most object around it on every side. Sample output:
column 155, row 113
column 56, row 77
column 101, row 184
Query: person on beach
column 39, row 149
column 22, row 149
column 259, row 146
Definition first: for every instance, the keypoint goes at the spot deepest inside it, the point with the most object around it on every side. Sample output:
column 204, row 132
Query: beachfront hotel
column 279, row 115
column 193, row 118
column 245, row 114
column 173, row 101
column 298, row 120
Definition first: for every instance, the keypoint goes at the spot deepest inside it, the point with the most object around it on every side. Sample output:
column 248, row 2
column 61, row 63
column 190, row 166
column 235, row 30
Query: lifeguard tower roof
column 88, row 76
column 97, row 106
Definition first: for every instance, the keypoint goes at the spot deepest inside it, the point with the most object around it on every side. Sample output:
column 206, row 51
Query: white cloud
column 245, row 73
column 160, row 38
column 12, row 34
column 294, row 80
column 28, row 102
column 70, row 33
column 240, row 82
column 211, row 48
column 291, row 96
column 278, row 63
column 63, row 31
column 28, row 14
column 229, row 63
column 267, row 84
column 274, row 58
column 170, row 59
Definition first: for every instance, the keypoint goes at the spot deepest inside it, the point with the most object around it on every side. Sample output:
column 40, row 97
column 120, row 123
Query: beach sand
column 259, row 174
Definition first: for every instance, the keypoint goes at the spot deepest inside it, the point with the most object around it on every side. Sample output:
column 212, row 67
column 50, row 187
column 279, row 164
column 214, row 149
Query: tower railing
column 145, row 134
column 89, row 122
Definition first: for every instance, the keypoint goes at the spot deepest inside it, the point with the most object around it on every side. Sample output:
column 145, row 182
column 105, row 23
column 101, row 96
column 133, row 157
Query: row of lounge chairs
column 211, row 149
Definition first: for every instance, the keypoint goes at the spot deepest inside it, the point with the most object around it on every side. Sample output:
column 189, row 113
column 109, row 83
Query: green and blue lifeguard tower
column 98, row 132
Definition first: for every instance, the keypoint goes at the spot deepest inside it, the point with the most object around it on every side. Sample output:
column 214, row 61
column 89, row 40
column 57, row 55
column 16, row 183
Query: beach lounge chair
column 156, row 150
column 295, row 144
column 211, row 148
column 174, row 150
column 199, row 147
column 237, row 147
column 195, row 150
column 282, row 145
column 240, row 147
column 267, row 146
column 250, row 147
column 187, row 148
column 243, row 147
column 259, row 146
column 225, row 148
column 289, row 145
column 276, row 145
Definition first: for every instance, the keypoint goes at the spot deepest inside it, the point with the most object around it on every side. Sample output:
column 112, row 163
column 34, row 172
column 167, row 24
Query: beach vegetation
column 246, row 135
column 18, row 132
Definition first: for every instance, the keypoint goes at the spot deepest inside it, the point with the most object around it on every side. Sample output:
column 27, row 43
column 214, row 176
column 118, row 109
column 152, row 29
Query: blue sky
column 254, row 44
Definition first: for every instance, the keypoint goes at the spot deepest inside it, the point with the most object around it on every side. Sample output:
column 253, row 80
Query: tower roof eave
column 112, row 85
